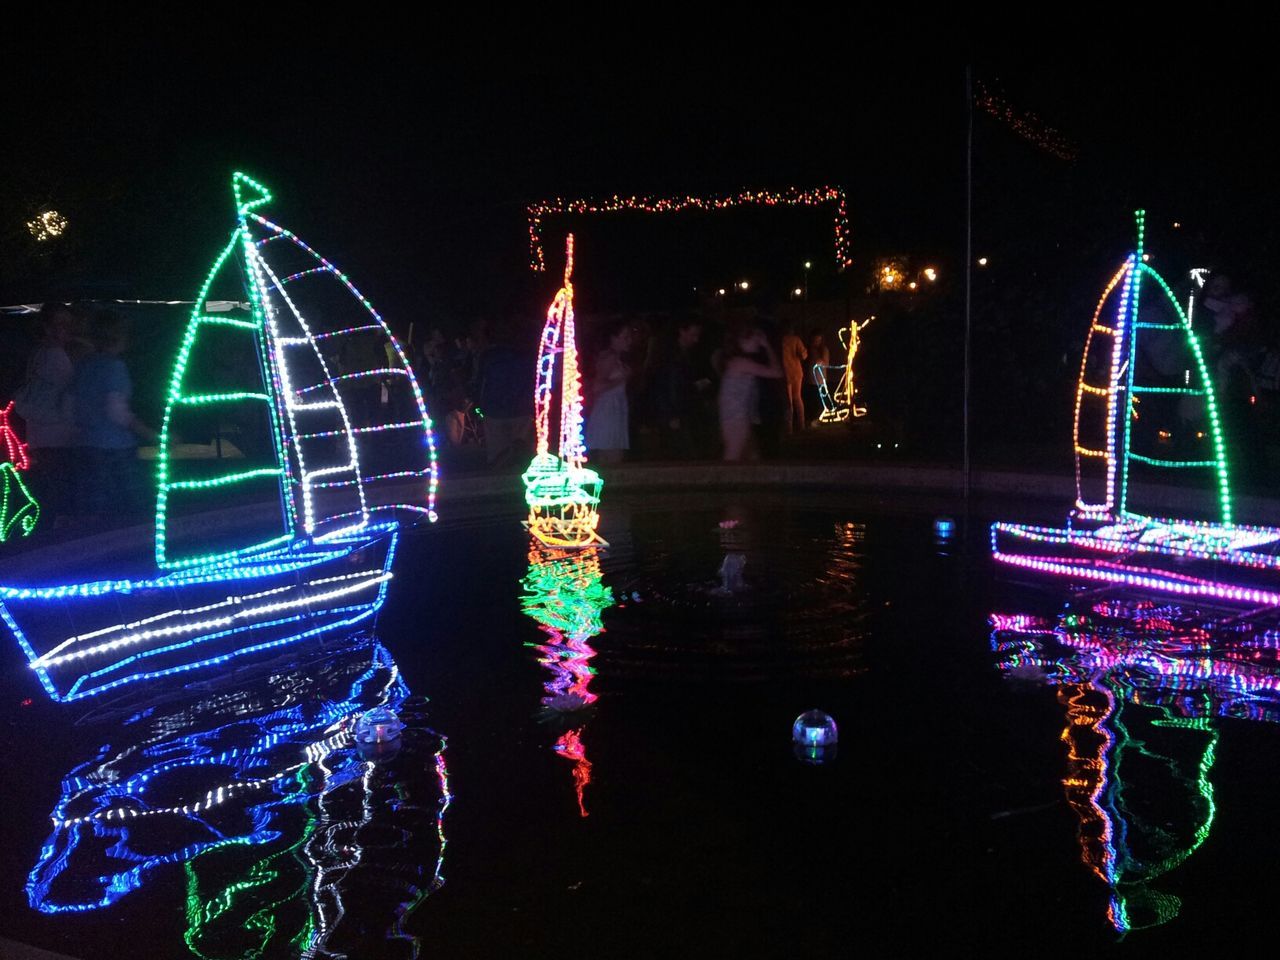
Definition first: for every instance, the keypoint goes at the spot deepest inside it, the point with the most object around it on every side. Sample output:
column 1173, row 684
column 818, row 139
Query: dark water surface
column 597, row 760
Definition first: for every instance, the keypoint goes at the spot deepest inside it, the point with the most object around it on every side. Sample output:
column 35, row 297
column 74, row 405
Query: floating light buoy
column 379, row 725
column 814, row 736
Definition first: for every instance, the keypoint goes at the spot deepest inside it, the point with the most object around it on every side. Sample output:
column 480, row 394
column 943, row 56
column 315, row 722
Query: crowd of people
column 82, row 433
column 653, row 389
column 1246, row 369
column 672, row 387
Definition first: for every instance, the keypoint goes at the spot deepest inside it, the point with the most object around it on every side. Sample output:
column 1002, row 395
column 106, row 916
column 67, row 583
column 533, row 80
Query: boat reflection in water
column 1143, row 685
column 293, row 838
column 564, row 594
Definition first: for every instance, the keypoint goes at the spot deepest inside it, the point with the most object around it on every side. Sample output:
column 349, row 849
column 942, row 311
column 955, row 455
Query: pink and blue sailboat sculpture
column 1141, row 353
column 339, row 455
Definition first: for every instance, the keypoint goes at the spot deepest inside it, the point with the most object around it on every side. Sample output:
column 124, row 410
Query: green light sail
column 210, row 337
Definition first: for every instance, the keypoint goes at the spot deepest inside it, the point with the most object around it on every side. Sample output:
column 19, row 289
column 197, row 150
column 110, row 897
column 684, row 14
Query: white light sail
column 357, row 434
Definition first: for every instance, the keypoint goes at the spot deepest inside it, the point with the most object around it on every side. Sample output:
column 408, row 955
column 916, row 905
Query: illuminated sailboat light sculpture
column 1106, row 541
column 838, row 406
column 563, row 494
column 314, row 354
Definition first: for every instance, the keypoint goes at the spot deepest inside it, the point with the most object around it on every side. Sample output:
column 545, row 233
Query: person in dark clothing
column 675, row 393
column 506, row 398
column 773, row 397
column 1232, row 350
column 44, row 402
column 109, row 483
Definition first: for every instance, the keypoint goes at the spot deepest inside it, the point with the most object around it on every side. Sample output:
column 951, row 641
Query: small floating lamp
column 814, row 736
column 379, row 725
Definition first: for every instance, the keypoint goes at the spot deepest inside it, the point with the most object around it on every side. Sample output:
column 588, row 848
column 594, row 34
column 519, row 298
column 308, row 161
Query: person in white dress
column 607, row 432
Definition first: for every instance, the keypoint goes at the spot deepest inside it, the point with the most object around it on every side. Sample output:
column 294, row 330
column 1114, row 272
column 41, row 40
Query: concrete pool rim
column 469, row 495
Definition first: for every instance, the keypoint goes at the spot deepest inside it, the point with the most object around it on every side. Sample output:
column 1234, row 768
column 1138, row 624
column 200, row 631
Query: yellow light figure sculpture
column 838, row 406
column 563, row 494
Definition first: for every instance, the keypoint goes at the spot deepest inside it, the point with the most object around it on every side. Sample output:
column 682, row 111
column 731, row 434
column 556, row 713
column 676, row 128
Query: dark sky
column 412, row 173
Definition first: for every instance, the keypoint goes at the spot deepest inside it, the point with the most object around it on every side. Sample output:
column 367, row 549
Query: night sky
column 412, row 172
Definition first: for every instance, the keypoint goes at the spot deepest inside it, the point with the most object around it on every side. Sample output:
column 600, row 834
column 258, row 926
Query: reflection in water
column 293, row 841
column 758, row 597
column 571, row 747
column 733, row 542
column 564, row 594
column 1142, row 685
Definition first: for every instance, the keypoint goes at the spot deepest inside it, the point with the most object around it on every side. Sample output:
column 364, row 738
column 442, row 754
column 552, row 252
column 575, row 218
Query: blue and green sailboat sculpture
column 339, row 453
column 1142, row 352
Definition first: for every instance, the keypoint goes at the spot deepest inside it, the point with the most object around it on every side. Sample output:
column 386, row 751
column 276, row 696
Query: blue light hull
column 87, row 638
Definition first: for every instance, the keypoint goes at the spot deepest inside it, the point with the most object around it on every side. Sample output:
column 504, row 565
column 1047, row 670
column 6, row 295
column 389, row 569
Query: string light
column 270, row 305
column 18, row 509
column 296, row 556
column 1121, row 532
column 305, row 600
column 562, row 493
column 11, row 448
column 178, row 400
column 791, row 197
column 1085, row 389
column 1171, row 538
column 429, row 470
column 47, row 226
column 228, row 612
column 1145, row 578
column 836, row 407
column 1027, row 125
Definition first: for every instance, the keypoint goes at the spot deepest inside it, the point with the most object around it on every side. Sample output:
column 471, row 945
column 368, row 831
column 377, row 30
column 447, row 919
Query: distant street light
column 744, row 285
column 797, row 292
column 982, row 261
column 930, row 274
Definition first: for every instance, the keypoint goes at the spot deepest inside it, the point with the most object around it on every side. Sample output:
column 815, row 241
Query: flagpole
column 968, row 268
